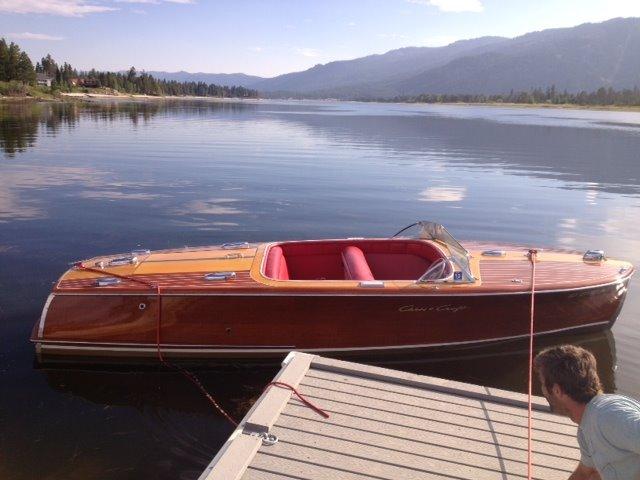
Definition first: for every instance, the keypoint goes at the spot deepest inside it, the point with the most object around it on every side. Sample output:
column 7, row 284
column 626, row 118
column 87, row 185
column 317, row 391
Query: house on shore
column 43, row 79
column 85, row 82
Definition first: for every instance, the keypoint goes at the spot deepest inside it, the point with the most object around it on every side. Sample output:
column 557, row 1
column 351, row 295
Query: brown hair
column 572, row 368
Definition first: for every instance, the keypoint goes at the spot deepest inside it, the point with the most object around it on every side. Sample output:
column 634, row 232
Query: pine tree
column 4, row 60
column 24, row 69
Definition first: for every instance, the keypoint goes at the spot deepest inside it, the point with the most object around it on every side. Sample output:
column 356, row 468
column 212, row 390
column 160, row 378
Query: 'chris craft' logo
column 435, row 308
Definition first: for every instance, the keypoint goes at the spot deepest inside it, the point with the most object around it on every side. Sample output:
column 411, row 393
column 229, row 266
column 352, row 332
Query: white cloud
column 452, row 5
column 308, row 52
column 33, row 36
column 72, row 8
column 65, row 8
column 257, row 49
column 156, row 2
column 351, row 24
column 146, row 2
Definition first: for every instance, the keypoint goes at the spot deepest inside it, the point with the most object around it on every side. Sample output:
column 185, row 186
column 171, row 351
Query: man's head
column 568, row 376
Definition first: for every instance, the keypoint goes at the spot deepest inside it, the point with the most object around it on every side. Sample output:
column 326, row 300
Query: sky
column 270, row 37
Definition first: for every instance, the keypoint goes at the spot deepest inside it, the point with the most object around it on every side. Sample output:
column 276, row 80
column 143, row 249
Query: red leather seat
column 276, row 266
column 355, row 264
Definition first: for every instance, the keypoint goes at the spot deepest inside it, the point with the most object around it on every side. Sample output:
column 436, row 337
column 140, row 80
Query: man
column 609, row 425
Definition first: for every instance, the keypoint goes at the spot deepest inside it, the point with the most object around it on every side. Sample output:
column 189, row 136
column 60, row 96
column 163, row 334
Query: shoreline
column 559, row 106
column 81, row 96
column 141, row 96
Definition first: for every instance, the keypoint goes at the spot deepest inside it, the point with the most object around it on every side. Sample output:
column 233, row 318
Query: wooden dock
column 390, row 425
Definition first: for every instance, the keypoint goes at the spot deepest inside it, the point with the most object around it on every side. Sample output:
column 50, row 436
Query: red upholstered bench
column 276, row 266
column 355, row 264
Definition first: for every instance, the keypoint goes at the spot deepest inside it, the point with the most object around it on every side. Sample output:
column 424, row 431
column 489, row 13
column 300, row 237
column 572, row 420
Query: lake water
column 81, row 180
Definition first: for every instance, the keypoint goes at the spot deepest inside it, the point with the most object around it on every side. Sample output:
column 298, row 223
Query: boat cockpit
column 385, row 259
column 435, row 256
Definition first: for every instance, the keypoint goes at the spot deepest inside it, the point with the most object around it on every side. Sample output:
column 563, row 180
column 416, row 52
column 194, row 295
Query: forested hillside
column 17, row 74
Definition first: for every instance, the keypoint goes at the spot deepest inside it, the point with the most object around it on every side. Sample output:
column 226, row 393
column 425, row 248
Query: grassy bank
column 18, row 90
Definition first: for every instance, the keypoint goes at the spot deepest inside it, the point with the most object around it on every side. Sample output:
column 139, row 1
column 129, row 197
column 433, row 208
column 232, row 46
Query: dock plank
column 439, row 420
column 411, row 430
column 410, row 393
column 385, row 464
column 485, row 411
column 405, row 439
column 419, row 456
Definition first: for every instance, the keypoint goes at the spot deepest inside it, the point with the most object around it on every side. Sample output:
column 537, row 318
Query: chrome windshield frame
column 458, row 255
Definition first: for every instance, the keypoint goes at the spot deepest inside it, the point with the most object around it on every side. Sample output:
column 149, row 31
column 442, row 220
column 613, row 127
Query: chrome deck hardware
column 140, row 251
column 267, row 438
column 220, row 276
column 130, row 260
column 371, row 284
column 233, row 245
column 494, row 253
column 594, row 256
column 107, row 281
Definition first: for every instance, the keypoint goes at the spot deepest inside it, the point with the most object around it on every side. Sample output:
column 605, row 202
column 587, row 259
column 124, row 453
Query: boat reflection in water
column 159, row 409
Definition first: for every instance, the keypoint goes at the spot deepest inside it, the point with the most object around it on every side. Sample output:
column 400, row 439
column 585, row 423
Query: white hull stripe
column 150, row 349
column 43, row 316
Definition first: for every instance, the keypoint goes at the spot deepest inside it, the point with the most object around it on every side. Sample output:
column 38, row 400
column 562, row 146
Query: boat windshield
column 459, row 255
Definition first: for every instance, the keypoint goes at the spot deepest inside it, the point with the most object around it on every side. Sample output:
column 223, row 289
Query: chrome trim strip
column 152, row 349
column 43, row 315
column 199, row 259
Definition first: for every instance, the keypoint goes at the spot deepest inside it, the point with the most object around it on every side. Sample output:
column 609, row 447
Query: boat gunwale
column 434, row 290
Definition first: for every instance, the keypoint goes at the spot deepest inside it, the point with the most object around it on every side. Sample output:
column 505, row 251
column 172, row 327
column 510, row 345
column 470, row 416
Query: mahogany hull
column 247, row 324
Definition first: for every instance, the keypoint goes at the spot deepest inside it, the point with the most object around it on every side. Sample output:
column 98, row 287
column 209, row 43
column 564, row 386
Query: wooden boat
column 351, row 295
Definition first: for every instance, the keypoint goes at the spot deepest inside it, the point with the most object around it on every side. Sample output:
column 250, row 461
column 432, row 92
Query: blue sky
column 270, row 37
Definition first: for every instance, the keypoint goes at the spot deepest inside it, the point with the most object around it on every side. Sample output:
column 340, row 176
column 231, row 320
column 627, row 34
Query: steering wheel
column 439, row 271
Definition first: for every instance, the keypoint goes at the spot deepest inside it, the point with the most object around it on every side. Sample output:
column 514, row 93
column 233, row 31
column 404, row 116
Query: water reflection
column 77, row 180
column 21, row 122
column 184, row 428
column 443, row 194
column 585, row 158
column 18, row 127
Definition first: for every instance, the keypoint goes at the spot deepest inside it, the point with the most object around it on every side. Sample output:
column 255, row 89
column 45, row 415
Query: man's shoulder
column 612, row 407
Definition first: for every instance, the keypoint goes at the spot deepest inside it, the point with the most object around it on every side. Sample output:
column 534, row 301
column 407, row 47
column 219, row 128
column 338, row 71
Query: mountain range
column 585, row 57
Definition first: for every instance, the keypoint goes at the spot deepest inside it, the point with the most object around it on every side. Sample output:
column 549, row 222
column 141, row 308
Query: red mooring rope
column 316, row 409
column 186, row 373
column 532, row 258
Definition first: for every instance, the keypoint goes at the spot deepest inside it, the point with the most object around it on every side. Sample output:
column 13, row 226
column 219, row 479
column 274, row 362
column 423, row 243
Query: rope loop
column 316, row 409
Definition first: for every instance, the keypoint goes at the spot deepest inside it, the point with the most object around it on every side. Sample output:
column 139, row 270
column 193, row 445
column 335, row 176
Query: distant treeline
column 16, row 67
column 602, row 96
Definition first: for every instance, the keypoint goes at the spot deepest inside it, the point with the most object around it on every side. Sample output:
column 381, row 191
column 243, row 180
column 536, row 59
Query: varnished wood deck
column 389, row 425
